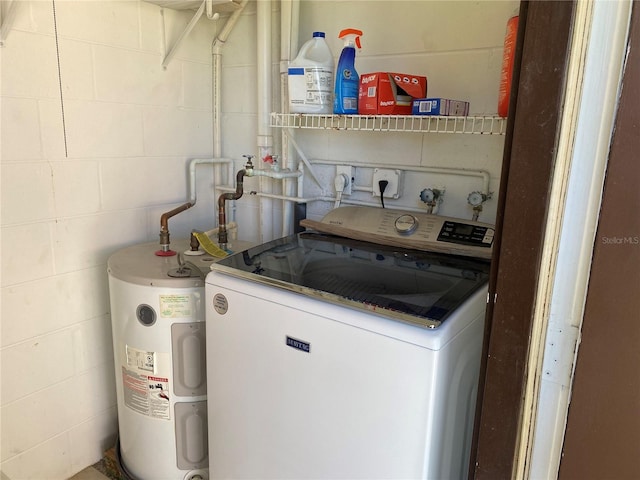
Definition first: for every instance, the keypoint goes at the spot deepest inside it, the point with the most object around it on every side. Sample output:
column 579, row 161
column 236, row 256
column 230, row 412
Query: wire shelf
column 477, row 125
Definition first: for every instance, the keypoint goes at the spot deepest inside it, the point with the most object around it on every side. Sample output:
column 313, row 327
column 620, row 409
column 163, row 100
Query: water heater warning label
column 146, row 394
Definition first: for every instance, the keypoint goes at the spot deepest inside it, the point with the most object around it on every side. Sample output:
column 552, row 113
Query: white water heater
column 157, row 315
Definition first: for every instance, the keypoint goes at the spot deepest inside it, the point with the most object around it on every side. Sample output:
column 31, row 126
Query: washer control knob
column 406, row 224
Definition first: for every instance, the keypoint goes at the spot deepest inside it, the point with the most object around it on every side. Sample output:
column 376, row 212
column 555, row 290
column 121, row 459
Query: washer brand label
column 298, row 344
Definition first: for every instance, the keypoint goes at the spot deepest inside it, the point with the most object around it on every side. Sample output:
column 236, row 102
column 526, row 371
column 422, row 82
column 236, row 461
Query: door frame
column 531, row 143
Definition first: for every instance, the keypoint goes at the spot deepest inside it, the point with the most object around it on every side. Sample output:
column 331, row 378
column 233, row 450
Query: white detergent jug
column 310, row 78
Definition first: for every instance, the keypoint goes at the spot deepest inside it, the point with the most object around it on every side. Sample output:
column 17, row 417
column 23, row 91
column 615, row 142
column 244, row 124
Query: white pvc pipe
column 279, row 175
column 288, row 222
column 192, row 173
column 301, row 179
column 216, row 52
column 264, row 96
column 215, row 99
column 483, row 174
column 285, row 49
column 276, row 196
column 265, row 138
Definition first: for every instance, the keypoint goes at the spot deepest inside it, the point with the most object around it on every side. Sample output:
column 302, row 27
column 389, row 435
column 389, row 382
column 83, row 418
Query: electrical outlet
column 392, row 176
column 348, row 171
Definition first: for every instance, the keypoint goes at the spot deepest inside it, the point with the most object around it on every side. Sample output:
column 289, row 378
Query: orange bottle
column 507, row 66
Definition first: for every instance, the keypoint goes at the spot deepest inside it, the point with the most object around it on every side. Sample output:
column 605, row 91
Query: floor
column 89, row 473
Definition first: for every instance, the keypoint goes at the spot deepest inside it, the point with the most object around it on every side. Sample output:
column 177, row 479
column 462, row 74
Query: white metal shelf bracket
column 7, row 15
column 185, row 32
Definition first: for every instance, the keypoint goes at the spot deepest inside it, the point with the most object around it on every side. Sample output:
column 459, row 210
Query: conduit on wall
column 289, row 21
column 216, row 65
column 264, row 99
column 216, row 52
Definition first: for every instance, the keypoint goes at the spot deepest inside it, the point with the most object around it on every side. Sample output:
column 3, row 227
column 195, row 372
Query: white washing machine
column 329, row 357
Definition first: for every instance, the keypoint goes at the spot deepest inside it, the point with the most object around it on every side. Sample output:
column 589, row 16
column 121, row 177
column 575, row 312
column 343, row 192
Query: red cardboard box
column 387, row 93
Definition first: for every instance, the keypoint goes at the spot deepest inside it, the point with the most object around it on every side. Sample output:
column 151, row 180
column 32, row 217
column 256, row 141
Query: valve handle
column 249, row 164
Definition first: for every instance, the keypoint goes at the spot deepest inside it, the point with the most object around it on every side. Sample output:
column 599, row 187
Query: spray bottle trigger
column 348, row 32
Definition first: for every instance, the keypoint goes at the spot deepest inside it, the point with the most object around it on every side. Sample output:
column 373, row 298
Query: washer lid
column 421, row 288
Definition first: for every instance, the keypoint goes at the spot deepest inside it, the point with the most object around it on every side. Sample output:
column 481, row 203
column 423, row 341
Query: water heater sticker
column 176, row 306
column 220, row 303
column 159, row 397
column 140, row 359
column 146, row 394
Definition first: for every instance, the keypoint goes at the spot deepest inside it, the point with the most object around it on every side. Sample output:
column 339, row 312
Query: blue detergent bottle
column 345, row 100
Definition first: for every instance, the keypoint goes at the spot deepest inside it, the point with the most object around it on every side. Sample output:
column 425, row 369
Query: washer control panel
column 418, row 231
column 466, row 234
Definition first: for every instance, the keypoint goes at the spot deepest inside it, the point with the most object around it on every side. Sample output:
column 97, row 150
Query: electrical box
column 393, row 177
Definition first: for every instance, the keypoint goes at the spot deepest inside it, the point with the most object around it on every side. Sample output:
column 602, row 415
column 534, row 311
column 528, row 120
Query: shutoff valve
column 272, row 160
column 431, row 196
column 476, row 200
column 249, row 164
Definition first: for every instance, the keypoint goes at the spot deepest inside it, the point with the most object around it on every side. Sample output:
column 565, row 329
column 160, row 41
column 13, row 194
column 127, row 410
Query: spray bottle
column 345, row 100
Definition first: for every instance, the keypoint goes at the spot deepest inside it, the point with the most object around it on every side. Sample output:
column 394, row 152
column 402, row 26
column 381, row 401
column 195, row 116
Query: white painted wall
column 131, row 128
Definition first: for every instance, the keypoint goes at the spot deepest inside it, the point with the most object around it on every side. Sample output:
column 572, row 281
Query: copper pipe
column 164, row 224
column 222, row 215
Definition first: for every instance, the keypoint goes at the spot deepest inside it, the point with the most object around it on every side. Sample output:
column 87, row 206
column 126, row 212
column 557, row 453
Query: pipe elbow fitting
column 222, row 215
